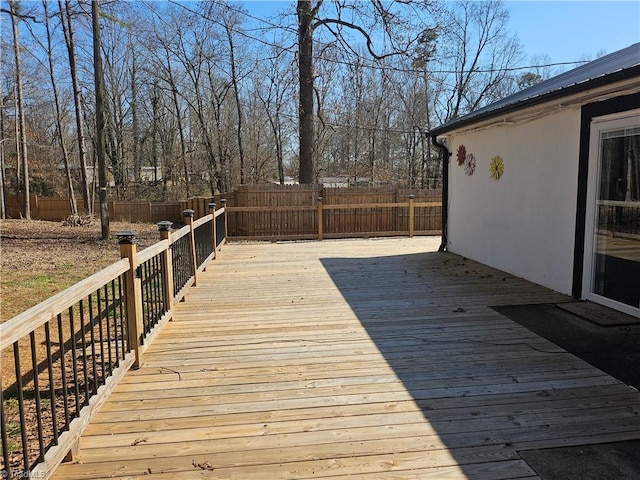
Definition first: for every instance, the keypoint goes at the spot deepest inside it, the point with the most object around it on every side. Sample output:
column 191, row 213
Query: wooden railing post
column 226, row 224
column 320, row 218
column 167, row 275
column 127, row 241
column 188, row 218
column 212, row 211
column 411, row 215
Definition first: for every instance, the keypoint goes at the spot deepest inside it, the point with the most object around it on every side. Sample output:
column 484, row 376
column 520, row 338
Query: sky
column 571, row 30
column 565, row 31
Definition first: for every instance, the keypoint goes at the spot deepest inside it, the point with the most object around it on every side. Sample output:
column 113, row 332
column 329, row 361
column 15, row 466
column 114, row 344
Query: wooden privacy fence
column 56, row 209
column 69, row 352
column 310, row 211
column 293, row 212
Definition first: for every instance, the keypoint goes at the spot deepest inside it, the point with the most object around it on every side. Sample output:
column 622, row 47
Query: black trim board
column 588, row 113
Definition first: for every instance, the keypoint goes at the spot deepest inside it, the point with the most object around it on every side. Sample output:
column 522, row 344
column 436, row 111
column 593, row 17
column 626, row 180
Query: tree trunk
column 234, row 80
column 305, row 109
column 67, row 28
column 100, row 137
column 135, row 129
column 274, row 122
column 3, row 180
column 20, row 105
column 63, row 145
column 183, row 145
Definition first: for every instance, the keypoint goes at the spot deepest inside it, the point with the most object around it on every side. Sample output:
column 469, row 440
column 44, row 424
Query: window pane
column 617, row 244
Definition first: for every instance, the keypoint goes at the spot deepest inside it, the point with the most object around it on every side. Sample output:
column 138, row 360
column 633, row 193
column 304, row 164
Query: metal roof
column 619, row 65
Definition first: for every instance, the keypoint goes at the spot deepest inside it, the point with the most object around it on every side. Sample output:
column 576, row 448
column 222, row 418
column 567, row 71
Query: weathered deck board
column 374, row 359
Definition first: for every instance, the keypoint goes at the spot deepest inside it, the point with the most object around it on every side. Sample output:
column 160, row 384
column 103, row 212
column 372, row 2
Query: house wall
column 523, row 223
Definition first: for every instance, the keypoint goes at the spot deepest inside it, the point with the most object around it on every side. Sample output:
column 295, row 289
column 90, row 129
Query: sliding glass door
column 612, row 273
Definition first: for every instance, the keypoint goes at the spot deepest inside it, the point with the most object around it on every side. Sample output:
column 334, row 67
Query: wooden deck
column 376, row 359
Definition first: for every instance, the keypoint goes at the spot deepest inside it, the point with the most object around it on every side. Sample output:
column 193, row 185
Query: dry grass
column 39, row 259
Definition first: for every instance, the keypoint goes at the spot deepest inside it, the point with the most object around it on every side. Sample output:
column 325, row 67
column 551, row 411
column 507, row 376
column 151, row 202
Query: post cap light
column 127, row 237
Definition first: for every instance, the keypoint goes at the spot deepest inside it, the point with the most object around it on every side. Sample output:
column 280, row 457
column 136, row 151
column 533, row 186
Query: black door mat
column 599, row 314
column 614, row 350
column 605, row 461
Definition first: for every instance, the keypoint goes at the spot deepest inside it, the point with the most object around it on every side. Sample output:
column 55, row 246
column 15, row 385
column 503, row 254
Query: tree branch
column 20, row 16
column 358, row 28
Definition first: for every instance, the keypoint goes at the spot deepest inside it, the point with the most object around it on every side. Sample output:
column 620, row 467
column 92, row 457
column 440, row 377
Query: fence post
column 167, row 275
column 212, row 210
column 411, row 215
column 320, row 218
column 111, row 207
column 226, row 225
column 188, row 216
column 35, row 208
column 127, row 241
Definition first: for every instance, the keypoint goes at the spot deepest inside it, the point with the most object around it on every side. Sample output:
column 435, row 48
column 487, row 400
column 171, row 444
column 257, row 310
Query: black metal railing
column 57, row 355
column 619, row 217
column 153, row 289
column 203, row 236
column 181, row 254
column 56, row 369
column 221, row 228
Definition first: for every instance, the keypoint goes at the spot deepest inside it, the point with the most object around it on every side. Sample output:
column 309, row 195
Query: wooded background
column 201, row 97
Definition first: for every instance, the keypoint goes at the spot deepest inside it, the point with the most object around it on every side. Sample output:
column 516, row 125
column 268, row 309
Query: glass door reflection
column 616, row 255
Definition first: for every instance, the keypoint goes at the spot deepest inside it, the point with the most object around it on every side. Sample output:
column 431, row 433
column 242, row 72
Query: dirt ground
column 39, row 259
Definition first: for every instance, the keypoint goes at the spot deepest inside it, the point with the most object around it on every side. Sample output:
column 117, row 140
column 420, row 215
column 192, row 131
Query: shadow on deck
column 377, row 359
column 500, row 389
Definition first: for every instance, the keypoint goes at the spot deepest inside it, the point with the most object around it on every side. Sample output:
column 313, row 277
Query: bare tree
column 164, row 49
column 230, row 23
column 3, row 180
column 22, row 133
column 277, row 87
column 205, row 97
column 100, row 137
column 306, row 15
column 67, row 29
column 481, row 50
column 135, row 127
column 48, row 48
column 341, row 26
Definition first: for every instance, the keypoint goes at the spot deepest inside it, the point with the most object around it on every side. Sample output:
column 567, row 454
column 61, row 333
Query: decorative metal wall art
column 461, row 155
column 470, row 164
column 496, row 168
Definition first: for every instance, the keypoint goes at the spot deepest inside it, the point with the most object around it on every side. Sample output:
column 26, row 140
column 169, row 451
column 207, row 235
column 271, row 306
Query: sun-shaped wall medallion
column 496, row 168
column 470, row 164
column 461, row 154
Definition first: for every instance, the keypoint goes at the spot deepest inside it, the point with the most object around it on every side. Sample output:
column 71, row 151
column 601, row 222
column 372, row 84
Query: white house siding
column 523, row 223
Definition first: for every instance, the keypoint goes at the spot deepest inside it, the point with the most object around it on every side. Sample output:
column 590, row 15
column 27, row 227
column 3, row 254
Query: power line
column 480, row 70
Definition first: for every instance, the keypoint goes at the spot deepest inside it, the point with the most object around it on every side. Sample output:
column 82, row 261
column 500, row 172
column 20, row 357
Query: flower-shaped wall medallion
column 496, row 168
column 470, row 164
column 461, row 154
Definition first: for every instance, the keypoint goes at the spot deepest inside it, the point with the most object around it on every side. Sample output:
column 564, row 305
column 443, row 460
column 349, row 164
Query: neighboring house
column 151, row 174
column 545, row 184
column 344, row 182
